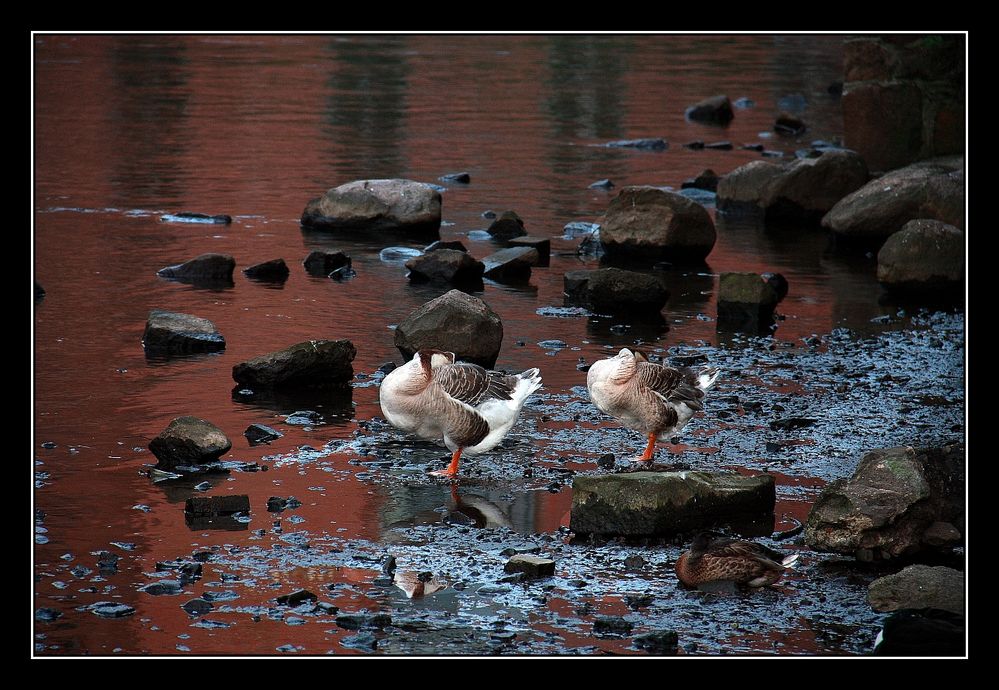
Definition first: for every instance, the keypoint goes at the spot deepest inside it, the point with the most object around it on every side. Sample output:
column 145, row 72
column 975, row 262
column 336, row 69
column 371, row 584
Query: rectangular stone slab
column 664, row 503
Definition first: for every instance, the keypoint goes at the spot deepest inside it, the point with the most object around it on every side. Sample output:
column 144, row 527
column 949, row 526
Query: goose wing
column 473, row 385
column 673, row 385
column 734, row 548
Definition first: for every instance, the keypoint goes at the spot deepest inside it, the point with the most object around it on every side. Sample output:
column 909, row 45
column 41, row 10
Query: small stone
column 530, row 566
column 357, row 621
column 651, row 144
column 322, row 263
column 46, row 615
column 606, row 461
column 461, row 178
column 602, row 184
column 208, row 269
column 275, row 270
column 163, row 588
column 716, row 110
column 108, row 609
column 789, row 124
column 663, row 642
column 611, row 625
column 791, row 423
column 720, row 145
column 197, row 607
column 507, row 226
column 203, row 486
column 634, row 562
column 296, row 598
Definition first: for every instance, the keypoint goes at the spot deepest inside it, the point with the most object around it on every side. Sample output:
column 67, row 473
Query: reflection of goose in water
column 482, row 511
column 714, row 557
column 470, row 408
column 921, row 632
column 416, row 585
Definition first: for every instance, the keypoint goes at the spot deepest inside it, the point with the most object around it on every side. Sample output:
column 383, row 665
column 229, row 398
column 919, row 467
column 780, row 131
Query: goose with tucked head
column 468, row 407
column 713, row 557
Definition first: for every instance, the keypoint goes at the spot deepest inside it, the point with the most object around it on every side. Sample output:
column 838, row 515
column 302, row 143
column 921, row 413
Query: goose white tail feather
column 707, row 377
column 789, row 561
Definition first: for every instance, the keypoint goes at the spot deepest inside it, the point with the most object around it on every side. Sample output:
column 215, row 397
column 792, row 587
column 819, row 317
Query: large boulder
column 891, row 505
column 651, row 224
column 613, row 290
column 924, row 255
column 932, row 189
column 809, row 187
column 206, row 268
column 189, row 441
column 716, row 110
column 173, row 333
column 447, row 266
column 511, row 265
column 664, row 503
column 312, row 364
column 396, row 204
column 454, row 322
column 918, row 587
column 743, row 188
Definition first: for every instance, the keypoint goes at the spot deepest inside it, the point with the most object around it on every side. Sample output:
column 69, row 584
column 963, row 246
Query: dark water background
column 130, row 127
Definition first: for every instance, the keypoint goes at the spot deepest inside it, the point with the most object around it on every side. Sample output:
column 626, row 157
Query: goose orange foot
column 649, row 449
column 452, row 469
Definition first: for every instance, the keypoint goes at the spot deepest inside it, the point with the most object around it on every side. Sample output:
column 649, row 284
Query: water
column 129, row 128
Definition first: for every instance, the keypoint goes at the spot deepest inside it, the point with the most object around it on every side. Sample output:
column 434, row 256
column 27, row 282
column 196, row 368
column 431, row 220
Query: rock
column 652, row 144
column 808, row 188
column 507, row 226
column 743, row 188
column 511, row 265
column 602, row 184
column 886, row 507
column 717, row 110
column 296, row 598
column 700, row 196
column 884, row 122
column 357, row 621
column 651, row 224
column 579, row 228
column 189, row 441
column 634, row 562
column 388, row 564
column 919, row 586
column 207, row 268
column 440, row 244
column 46, row 615
column 746, row 302
column 277, row 504
column 454, row 322
column 611, row 625
column 163, row 588
column 789, row 124
column 172, row 333
column 664, row 503
column 752, row 147
column 396, row 255
column 189, row 217
column 197, row 607
column 275, row 270
column 211, row 506
column 720, row 145
column 925, row 255
column 662, row 642
column 542, row 245
column 929, row 190
column 312, row 364
column 767, row 153
column 461, row 178
column 591, row 246
column 606, row 461
column 377, row 205
column 259, row 433
column 615, row 290
column 110, row 609
column 708, row 180
column 694, row 145
column 791, row 423
column 323, row 263
column 446, row 266
column 942, row 534
column 778, row 282
column 530, row 566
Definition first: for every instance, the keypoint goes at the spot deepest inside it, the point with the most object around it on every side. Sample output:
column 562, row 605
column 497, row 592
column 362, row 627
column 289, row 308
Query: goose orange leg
column 452, row 469
column 649, row 449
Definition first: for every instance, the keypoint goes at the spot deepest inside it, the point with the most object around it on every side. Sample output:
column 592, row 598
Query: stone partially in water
column 542, row 245
column 665, row 503
column 611, row 625
column 359, row 621
column 511, row 265
column 507, row 226
column 454, row 322
column 615, row 291
column 377, row 205
column 742, row 189
column 173, row 333
column 746, row 302
column 109, row 609
column 461, row 178
column 789, row 124
column 661, row 642
column 650, row 144
column 188, row 441
column 275, row 270
column 260, row 433
column 649, row 224
column 323, row 263
column 530, row 566
column 312, row 364
column 296, row 598
column 46, row 615
column 206, row 268
column 163, row 587
column 708, row 180
column 808, row 188
column 924, row 256
column 715, row 110
column 917, row 587
column 447, row 266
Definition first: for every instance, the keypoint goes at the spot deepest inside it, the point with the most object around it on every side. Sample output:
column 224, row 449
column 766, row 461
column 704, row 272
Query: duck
column 713, row 556
column 470, row 408
column 921, row 632
column 652, row 398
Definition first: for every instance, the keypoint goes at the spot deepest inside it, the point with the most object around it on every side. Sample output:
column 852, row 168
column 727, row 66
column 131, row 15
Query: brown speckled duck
column 469, row 407
column 713, row 556
column 654, row 399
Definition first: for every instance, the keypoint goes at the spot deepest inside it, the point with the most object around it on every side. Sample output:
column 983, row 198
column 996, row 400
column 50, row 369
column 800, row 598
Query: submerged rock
column 323, row 263
column 173, row 333
column 312, row 364
column 650, row 224
column 511, row 265
column 260, row 433
column 789, row 124
column 918, row 586
column 665, row 503
column 652, row 144
column 542, row 245
column 615, row 290
column 507, row 226
column 275, row 270
column 445, row 265
column 454, row 322
column 207, row 268
column 717, row 110
column 377, row 205
column 189, row 441
column 808, row 188
column 924, row 255
column 884, row 510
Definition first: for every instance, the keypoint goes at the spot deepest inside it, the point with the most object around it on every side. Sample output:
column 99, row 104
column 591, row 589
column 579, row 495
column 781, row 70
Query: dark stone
column 110, row 609
column 197, row 607
column 172, row 333
column 694, row 145
column 489, row 215
column 188, row 441
column 446, row 266
column 808, row 188
column 203, row 486
column 706, row 180
column 530, row 566
column 716, row 110
column 791, row 423
column 296, row 598
column 579, row 229
column 778, row 282
column 321, row 263
column 886, row 507
column 358, row 621
column 917, row 587
column 615, row 291
column 209, row 506
column 602, row 184
column 634, row 562
column 511, row 265
column 277, row 504
column 440, row 244
column 207, row 268
column 45, row 615
column 611, row 625
column 377, row 205
column 789, row 124
column 275, row 270
column 924, row 256
column 507, row 226
column 883, row 122
column 189, row 217
column 720, row 145
column 542, row 245
column 461, row 178
column 454, row 322
column 752, row 147
column 835, row 88
column 772, row 154
column 664, row 503
column 746, row 302
column 700, row 196
column 260, row 433
column 651, row 144
column 606, row 461
column 922, row 632
column 163, row 588
column 312, row 364
column 650, row 224
column 661, row 642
